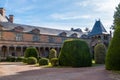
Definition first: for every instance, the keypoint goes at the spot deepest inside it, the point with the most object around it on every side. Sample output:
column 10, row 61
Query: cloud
column 58, row 16
column 82, row 3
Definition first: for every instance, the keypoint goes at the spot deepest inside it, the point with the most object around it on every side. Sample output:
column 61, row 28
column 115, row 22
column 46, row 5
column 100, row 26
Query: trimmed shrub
column 43, row 61
column 24, row 60
column 20, row 59
column 75, row 53
column 31, row 60
column 113, row 54
column 100, row 52
column 31, row 52
column 54, row 61
column 52, row 54
column 11, row 58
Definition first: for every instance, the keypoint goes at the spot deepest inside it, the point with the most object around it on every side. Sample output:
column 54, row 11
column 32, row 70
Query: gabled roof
column 98, row 29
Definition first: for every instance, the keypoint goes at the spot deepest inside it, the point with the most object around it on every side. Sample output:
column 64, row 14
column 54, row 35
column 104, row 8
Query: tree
column 116, row 17
column 113, row 53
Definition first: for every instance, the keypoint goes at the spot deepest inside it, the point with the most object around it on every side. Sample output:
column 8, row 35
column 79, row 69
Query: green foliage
column 31, row 60
column 117, row 16
column 75, row 53
column 24, row 60
column 31, row 52
column 100, row 52
column 11, row 58
column 113, row 54
column 54, row 61
column 19, row 59
column 52, row 54
column 43, row 61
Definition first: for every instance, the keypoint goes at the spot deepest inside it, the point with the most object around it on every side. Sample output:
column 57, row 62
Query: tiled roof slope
column 47, row 31
column 98, row 29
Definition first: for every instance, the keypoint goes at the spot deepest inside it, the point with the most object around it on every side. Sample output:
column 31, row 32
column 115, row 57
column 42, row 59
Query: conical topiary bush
column 100, row 52
column 113, row 53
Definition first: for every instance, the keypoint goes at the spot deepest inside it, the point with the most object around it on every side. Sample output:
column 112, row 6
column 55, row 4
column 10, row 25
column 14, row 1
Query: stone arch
column 12, row 51
column 47, row 50
column 18, row 51
column 24, row 48
column 4, row 51
column 42, row 54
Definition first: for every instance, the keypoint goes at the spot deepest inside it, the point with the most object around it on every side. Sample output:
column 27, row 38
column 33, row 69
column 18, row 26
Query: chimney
column 11, row 18
column 2, row 12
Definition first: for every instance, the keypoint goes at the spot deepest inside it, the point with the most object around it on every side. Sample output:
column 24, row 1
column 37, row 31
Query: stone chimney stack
column 11, row 18
column 2, row 12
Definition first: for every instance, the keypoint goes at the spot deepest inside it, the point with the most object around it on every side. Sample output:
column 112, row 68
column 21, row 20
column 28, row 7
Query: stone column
column 15, row 51
column 22, row 53
column 8, row 51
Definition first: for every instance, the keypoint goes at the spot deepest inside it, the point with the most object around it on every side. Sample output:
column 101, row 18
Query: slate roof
column 47, row 31
column 98, row 29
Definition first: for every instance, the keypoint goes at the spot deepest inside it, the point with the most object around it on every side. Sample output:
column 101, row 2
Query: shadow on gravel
column 89, row 73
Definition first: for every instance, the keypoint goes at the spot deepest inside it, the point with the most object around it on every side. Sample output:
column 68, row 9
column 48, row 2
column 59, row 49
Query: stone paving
column 20, row 71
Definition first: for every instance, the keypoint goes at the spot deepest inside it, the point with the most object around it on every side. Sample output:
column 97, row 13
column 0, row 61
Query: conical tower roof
column 98, row 29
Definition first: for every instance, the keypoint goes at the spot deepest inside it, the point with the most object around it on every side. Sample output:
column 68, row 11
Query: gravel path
column 19, row 71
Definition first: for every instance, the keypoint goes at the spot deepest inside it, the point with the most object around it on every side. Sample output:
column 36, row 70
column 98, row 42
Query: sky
column 61, row 14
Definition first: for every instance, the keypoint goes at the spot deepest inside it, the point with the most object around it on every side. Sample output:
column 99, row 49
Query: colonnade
column 19, row 50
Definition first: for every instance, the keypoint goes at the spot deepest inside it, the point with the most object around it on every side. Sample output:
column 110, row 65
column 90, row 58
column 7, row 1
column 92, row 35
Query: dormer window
column 18, row 29
column 74, row 35
column 36, row 31
column 63, row 34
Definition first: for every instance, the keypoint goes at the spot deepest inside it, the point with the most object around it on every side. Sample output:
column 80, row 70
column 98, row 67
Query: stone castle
column 15, row 38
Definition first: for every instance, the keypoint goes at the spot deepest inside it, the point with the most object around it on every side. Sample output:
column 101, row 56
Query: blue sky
column 61, row 14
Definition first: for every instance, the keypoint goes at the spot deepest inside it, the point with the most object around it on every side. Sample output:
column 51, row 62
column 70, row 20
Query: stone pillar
column 22, row 53
column 39, row 51
column 15, row 51
column 0, row 53
column 8, row 51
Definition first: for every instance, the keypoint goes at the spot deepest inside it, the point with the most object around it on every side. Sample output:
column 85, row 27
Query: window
column 36, row 37
column 51, row 39
column 19, row 36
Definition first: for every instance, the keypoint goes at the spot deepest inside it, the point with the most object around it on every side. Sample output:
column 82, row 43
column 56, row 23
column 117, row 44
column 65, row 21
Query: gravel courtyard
column 20, row 71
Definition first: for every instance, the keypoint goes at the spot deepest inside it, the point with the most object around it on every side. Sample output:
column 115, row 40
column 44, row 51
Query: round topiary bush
column 75, row 53
column 31, row 52
column 31, row 60
column 43, row 61
column 100, row 52
column 52, row 54
column 54, row 61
